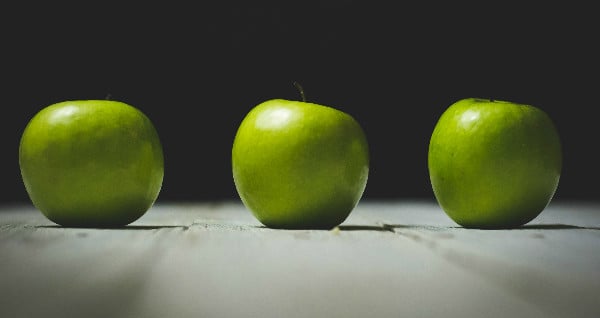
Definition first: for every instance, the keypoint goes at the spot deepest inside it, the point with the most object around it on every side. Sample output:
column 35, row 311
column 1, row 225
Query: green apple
column 494, row 164
column 91, row 163
column 299, row 165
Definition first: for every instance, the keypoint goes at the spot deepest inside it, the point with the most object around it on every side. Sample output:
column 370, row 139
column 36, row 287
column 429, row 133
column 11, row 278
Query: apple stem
column 299, row 88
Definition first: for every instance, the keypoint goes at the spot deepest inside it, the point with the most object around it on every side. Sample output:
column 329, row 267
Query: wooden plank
column 389, row 259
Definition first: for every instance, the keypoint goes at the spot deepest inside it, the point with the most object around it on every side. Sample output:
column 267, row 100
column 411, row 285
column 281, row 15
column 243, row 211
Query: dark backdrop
column 196, row 71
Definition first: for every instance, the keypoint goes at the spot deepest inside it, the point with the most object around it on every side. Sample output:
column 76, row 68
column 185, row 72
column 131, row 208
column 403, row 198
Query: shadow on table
column 354, row 227
column 555, row 227
column 127, row 227
column 393, row 227
column 380, row 228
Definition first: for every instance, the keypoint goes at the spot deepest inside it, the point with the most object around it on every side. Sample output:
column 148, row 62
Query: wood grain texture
column 388, row 259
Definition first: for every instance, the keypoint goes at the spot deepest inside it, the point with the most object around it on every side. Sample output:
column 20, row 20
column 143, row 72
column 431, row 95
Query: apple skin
column 494, row 164
column 299, row 165
column 91, row 163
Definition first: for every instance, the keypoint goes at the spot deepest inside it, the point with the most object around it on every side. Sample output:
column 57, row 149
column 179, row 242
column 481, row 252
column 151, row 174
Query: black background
column 196, row 70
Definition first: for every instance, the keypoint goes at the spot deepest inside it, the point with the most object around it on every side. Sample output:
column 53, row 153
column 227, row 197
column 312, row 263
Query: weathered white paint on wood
column 389, row 259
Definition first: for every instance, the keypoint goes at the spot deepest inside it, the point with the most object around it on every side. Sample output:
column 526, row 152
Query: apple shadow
column 379, row 228
column 393, row 227
column 348, row 228
column 557, row 226
column 525, row 227
column 127, row 227
column 383, row 228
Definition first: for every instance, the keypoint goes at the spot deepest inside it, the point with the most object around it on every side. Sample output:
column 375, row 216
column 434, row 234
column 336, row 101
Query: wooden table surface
column 388, row 259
